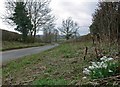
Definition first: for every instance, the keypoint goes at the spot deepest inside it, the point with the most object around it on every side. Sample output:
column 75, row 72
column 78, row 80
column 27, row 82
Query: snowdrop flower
column 86, row 71
column 98, row 63
column 91, row 67
column 99, row 67
column 110, row 71
column 84, row 77
column 104, row 65
column 103, row 58
column 110, row 59
column 101, row 64
column 94, row 64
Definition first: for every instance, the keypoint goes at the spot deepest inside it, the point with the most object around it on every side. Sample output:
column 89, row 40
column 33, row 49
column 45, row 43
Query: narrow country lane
column 19, row 53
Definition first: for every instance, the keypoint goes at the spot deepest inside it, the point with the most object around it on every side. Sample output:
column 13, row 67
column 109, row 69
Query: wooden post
column 86, row 49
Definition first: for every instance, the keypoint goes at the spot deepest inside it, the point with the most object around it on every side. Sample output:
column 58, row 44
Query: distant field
column 12, row 40
column 9, row 45
column 10, row 36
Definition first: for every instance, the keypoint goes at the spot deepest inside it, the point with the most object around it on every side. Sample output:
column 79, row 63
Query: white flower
column 84, row 77
column 98, row 63
column 86, row 71
column 110, row 59
column 94, row 64
column 101, row 64
column 110, row 71
column 104, row 65
column 103, row 58
column 91, row 67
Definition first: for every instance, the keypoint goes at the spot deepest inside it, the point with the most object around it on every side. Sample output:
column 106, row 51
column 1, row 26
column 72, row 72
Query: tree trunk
column 34, row 35
column 67, row 37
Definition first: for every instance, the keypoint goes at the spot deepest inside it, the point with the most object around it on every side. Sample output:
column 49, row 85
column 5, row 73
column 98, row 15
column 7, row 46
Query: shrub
column 106, row 67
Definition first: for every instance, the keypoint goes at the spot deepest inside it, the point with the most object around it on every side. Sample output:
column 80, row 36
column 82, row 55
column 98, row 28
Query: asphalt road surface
column 19, row 53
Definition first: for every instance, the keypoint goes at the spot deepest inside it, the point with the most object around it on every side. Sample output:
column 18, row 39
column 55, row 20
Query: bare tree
column 38, row 11
column 56, row 34
column 48, row 30
column 9, row 11
column 106, row 23
column 40, row 14
column 69, row 28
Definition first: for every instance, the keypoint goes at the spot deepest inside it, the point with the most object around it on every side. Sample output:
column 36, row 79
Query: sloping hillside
column 10, row 36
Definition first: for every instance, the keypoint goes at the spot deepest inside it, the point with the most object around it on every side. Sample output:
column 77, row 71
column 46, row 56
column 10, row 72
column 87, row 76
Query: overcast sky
column 80, row 10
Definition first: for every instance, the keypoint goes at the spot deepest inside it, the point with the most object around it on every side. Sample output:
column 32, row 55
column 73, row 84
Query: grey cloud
column 81, row 12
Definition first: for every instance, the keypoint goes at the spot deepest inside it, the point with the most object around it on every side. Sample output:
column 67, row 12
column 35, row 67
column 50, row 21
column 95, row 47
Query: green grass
column 61, row 65
column 47, row 81
column 6, row 45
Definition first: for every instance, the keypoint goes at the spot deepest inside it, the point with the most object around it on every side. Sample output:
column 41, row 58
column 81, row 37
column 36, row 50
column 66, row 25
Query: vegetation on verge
column 58, row 63
column 104, row 68
column 47, row 81
column 64, row 64
column 9, row 45
column 106, row 24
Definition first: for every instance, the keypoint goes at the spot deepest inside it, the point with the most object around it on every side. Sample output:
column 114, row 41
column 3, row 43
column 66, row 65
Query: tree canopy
column 69, row 28
column 21, row 19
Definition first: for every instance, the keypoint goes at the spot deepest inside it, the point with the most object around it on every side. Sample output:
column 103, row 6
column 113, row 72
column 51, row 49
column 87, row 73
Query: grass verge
column 61, row 65
column 18, row 45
